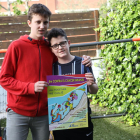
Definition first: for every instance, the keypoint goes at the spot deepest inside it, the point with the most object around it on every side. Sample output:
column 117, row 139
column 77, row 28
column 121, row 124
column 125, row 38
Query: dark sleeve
column 55, row 59
column 89, row 69
column 55, row 68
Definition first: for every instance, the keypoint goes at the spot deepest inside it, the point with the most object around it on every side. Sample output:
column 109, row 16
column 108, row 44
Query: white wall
column 96, row 70
column 96, row 61
column 3, row 102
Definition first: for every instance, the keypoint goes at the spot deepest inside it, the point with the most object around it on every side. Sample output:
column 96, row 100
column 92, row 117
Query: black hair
column 55, row 32
column 38, row 9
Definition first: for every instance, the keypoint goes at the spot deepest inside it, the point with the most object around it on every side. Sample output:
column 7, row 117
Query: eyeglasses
column 62, row 44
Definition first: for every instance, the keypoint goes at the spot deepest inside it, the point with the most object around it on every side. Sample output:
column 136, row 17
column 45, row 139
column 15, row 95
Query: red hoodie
column 26, row 62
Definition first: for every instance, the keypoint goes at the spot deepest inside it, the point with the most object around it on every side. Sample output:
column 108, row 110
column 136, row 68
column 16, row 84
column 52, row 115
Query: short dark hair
column 55, row 32
column 38, row 9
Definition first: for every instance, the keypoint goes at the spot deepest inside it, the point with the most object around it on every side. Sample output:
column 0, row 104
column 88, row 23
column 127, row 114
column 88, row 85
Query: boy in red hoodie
column 27, row 62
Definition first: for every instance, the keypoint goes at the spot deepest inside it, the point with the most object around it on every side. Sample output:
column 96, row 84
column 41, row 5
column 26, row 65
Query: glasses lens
column 63, row 43
column 55, row 46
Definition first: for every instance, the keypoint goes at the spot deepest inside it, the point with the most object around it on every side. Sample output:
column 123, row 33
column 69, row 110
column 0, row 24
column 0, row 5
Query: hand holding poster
column 67, row 102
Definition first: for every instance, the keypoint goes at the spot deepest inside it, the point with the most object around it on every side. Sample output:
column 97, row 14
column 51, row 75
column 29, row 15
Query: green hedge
column 120, row 88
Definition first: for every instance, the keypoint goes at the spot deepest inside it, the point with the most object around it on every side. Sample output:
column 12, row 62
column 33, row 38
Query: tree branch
column 3, row 7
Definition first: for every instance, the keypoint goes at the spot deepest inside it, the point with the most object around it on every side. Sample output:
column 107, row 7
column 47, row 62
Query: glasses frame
column 60, row 44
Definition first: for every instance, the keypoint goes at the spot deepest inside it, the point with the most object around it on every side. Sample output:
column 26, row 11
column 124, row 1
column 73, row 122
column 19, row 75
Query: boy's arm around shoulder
column 8, row 70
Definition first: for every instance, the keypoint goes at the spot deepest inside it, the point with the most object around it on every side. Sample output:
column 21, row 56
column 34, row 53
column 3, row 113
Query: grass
column 29, row 136
column 107, row 128
column 114, row 129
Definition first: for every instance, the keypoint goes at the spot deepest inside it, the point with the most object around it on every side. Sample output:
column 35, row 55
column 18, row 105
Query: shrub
column 120, row 88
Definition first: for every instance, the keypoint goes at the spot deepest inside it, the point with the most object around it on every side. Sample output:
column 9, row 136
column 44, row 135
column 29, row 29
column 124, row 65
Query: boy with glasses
column 68, row 64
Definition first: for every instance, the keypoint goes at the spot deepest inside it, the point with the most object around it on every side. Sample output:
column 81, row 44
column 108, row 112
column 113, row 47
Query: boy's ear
column 28, row 22
column 69, row 42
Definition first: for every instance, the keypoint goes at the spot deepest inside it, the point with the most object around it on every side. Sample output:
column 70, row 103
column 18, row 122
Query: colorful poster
column 67, row 101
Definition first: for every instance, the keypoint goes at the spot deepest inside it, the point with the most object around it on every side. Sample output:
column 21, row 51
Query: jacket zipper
column 39, row 77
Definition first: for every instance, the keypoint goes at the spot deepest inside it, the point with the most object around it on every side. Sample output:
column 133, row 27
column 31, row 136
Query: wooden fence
column 78, row 26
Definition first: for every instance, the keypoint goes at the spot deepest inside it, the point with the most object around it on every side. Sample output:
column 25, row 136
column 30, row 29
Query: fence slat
column 69, row 32
column 68, row 24
column 4, row 45
column 82, row 39
column 11, row 36
column 78, row 51
column 88, row 50
column 81, row 31
column 91, row 53
column 2, row 55
column 72, row 16
column 14, row 28
column 54, row 17
column 13, row 19
column 73, row 39
column 1, row 60
column 72, row 24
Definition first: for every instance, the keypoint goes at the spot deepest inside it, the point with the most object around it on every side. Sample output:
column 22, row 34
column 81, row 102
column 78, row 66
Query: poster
column 67, row 101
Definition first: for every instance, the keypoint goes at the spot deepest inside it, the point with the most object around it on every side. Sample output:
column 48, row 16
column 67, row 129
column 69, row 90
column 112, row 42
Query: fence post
column 97, row 34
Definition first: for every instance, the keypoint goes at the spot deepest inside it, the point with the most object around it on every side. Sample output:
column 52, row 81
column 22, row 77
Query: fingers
column 88, row 64
column 90, row 78
column 40, row 85
column 87, row 61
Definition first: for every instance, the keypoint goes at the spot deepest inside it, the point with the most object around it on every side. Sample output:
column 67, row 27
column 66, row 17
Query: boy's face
column 63, row 50
column 38, row 25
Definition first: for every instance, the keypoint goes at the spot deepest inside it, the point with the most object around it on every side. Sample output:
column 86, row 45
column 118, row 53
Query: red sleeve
column 8, row 70
column 55, row 59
